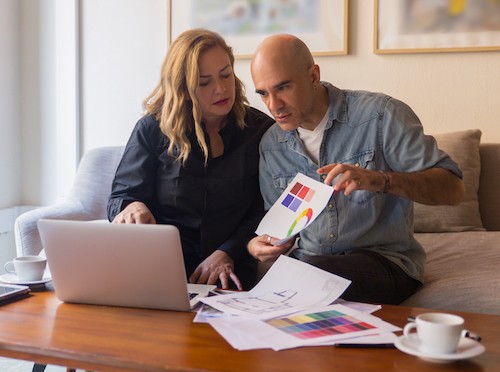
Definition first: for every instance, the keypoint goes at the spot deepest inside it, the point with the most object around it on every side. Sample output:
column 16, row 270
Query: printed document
column 289, row 286
column 297, row 207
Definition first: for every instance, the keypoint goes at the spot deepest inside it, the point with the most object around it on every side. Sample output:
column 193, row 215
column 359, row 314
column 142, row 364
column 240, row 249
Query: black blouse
column 217, row 206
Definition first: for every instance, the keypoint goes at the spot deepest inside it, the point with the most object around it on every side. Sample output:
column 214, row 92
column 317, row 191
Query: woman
column 192, row 161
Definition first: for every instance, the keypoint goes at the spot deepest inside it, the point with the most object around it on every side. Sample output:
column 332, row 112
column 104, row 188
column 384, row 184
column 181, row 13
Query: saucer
column 467, row 348
column 13, row 279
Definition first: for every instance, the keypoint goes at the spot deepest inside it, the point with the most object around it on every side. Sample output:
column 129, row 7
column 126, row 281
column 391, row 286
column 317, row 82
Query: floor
column 14, row 365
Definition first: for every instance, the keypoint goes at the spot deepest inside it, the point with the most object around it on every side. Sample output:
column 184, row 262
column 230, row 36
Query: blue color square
column 295, row 204
column 288, row 199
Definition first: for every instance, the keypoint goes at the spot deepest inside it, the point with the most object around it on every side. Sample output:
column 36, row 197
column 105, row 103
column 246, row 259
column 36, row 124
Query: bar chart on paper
column 320, row 324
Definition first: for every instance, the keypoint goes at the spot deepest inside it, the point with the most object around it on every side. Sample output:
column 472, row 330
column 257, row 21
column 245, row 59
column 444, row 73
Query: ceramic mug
column 27, row 268
column 439, row 333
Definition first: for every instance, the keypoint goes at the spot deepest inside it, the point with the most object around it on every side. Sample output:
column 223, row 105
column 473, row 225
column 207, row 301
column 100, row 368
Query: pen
column 465, row 332
column 366, row 346
column 472, row 336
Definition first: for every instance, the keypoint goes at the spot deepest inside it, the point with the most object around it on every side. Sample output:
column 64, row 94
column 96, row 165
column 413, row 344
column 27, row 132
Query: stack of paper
column 292, row 306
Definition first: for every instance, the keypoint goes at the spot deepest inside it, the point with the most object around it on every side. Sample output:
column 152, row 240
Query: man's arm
column 434, row 186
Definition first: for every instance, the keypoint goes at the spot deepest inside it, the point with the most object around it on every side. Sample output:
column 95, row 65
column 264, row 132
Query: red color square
column 296, row 188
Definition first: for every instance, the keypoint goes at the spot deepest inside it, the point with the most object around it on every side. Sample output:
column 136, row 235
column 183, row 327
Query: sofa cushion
column 463, row 147
column 461, row 272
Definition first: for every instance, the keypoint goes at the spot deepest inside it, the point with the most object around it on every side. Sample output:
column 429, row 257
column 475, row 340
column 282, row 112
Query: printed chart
column 296, row 208
column 319, row 324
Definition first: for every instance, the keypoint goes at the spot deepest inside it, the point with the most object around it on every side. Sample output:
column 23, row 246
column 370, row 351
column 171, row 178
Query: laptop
column 131, row 265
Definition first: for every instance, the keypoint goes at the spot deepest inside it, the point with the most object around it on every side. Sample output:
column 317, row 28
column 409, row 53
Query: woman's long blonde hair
column 173, row 102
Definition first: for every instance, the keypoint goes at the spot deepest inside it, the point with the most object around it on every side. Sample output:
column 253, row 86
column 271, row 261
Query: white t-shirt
column 312, row 138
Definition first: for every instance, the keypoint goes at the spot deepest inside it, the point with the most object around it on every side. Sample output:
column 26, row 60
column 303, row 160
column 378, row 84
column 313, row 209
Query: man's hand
column 262, row 249
column 216, row 266
column 352, row 178
column 135, row 212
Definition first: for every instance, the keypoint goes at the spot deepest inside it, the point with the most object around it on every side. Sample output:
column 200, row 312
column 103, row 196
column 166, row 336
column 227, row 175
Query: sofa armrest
column 86, row 201
column 26, row 230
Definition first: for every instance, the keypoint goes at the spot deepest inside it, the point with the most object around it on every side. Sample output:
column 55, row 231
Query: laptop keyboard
column 192, row 295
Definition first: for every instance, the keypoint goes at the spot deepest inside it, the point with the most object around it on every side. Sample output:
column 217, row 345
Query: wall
column 448, row 91
column 10, row 128
column 37, row 109
column 122, row 44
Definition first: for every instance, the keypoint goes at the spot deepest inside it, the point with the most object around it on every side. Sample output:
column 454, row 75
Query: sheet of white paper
column 298, row 206
column 240, row 339
column 318, row 326
column 206, row 312
column 228, row 328
column 289, row 286
column 360, row 306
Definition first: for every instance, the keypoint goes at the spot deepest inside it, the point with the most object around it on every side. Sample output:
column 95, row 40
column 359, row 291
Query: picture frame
column 321, row 24
column 409, row 26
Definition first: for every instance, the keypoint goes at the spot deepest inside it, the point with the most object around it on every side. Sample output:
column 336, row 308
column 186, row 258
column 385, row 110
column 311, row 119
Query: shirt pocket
column 364, row 160
column 282, row 181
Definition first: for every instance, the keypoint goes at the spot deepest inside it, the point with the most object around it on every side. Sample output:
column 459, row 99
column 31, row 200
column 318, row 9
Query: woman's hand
column 217, row 266
column 135, row 212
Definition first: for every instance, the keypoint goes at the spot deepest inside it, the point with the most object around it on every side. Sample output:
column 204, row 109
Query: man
column 372, row 150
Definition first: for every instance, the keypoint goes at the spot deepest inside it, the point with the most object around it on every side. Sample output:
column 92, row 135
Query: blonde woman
column 192, row 161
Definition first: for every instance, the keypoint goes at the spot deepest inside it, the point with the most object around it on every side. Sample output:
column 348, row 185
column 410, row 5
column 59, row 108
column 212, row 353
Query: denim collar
column 337, row 111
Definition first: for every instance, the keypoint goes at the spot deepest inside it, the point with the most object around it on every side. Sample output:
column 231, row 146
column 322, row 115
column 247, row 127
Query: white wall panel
column 123, row 44
column 10, row 126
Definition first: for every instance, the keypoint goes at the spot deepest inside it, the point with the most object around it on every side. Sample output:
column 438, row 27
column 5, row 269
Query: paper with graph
column 289, row 286
column 317, row 326
column 297, row 207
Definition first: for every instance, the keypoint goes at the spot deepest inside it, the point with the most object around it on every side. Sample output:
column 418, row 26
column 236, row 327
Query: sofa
column 462, row 242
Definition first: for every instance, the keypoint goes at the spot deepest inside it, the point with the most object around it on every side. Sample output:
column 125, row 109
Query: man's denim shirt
column 368, row 130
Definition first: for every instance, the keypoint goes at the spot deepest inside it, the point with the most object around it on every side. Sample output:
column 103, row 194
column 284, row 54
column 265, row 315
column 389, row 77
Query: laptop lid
column 118, row 264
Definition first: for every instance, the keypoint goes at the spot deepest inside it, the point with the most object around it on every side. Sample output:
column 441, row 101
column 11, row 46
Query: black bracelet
column 387, row 182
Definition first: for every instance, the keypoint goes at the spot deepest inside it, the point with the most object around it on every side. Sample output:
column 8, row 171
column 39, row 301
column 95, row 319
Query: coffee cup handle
column 9, row 267
column 407, row 329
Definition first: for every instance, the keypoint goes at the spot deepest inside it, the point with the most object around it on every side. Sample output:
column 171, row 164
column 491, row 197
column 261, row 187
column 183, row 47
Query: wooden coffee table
column 47, row 331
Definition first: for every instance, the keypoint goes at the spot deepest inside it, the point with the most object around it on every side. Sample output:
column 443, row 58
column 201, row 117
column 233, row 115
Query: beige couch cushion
column 461, row 272
column 463, row 147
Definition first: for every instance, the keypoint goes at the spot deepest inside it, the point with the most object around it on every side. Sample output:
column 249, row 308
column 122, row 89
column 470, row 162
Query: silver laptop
column 118, row 264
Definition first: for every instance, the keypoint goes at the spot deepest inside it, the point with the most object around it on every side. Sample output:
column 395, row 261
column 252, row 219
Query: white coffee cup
column 27, row 268
column 439, row 333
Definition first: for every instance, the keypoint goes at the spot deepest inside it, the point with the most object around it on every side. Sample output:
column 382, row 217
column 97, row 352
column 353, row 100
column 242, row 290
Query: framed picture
column 321, row 24
column 426, row 26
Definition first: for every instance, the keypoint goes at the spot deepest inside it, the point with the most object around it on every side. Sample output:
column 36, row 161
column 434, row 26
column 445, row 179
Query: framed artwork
column 321, row 24
column 427, row 26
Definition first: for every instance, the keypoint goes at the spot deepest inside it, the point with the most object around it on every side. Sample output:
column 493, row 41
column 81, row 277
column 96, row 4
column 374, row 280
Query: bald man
column 371, row 148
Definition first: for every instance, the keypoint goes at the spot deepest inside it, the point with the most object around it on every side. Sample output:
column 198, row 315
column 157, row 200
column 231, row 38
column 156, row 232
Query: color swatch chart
column 320, row 324
column 297, row 195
